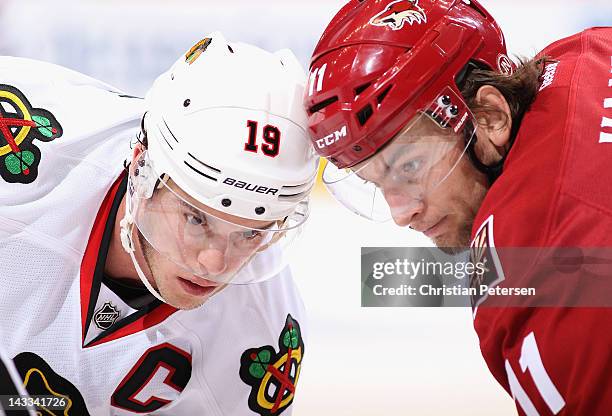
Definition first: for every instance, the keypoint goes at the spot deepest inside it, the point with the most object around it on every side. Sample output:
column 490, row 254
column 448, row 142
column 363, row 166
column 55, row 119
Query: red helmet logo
column 397, row 13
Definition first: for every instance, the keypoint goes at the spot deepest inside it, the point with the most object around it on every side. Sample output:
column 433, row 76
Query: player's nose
column 213, row 260
column 404, row 208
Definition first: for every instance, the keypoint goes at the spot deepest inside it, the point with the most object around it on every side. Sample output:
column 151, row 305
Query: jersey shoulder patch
column 22, row 126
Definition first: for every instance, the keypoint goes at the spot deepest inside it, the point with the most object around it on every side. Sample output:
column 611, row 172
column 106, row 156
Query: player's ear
column 141, row 144
column 138, row 150
column 494, row 117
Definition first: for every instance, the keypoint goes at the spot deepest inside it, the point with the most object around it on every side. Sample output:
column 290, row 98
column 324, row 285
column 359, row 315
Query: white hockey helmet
column 227, row 140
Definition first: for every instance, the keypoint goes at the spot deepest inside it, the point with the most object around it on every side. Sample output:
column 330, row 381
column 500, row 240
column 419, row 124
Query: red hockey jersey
column 556, row 191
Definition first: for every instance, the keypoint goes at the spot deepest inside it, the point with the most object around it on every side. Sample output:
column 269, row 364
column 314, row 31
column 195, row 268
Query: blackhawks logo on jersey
column 40, row 379
column 273, row 375
column 20, row 125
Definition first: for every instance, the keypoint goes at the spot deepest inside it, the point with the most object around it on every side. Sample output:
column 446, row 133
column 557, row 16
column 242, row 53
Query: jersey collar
column 92, row 275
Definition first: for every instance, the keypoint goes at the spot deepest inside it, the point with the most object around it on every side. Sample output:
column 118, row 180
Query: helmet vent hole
column 230, row 49
column 226, row 202
column 187, row 102
column 364, row 114
column 320, row 106
column 383, row 95
column 362, row 88
column 260, row 210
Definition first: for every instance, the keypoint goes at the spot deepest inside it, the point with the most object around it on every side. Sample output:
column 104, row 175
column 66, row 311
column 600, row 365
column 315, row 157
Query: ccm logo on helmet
column 332, row 138
column 250, row 187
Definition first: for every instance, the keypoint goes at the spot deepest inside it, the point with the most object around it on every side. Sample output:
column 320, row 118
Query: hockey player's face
column 203, row 239
column 178, row 288
column 447, row 214
column 429, row 185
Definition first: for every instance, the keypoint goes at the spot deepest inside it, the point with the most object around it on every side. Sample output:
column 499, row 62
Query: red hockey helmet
column 380, row 64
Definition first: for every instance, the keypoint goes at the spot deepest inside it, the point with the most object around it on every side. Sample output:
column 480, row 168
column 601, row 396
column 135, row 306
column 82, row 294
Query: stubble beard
column 459, row 238
column 458, row 243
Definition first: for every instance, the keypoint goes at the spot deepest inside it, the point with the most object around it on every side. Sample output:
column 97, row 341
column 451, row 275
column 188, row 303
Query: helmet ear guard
column 143, row 180
column 492, row 171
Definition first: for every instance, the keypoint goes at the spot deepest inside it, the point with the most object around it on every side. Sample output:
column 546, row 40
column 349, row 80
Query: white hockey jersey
column 63, row 140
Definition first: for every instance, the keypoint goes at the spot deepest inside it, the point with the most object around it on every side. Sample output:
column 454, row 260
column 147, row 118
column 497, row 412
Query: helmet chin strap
column 493, row 171
column 127, row 226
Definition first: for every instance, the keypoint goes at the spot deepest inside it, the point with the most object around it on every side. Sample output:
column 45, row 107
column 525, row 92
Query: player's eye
column 195, row 220
column 247, row 240
column 195, row 226
column 411, row 167
column 408, row 166
column 251, row 235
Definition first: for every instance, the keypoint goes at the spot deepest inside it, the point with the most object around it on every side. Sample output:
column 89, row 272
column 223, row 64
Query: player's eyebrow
column 199, row 212
column 400, row 152
column 191, row 208
column 268, row 226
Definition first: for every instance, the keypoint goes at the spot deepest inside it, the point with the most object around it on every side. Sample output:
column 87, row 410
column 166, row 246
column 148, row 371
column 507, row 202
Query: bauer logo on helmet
column 260, row 189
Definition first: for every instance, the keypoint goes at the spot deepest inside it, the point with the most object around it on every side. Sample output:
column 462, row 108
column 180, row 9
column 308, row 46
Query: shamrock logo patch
column 20, row 125
column 273, row 375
